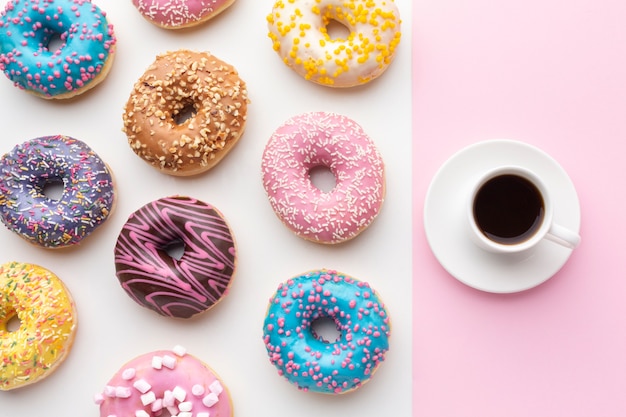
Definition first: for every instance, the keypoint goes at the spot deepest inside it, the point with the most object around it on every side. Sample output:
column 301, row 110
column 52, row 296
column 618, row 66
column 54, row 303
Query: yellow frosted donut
column 47, row 318
column 299, row 32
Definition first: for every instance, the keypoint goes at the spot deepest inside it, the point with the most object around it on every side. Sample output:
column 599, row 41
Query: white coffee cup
column 510, row 210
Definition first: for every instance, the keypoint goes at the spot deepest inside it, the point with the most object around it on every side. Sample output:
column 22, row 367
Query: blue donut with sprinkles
column 28, row 53
column 305, row 358
column 34, row 212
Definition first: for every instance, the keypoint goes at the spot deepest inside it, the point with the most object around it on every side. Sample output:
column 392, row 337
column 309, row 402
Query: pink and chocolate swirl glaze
column 176, row 286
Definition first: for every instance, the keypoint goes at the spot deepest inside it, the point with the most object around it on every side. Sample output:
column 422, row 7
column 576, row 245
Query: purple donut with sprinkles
column 55, row 48
column 29, row 208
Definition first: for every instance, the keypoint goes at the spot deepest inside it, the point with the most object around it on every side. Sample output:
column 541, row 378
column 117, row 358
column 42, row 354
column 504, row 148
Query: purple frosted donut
column 175, row 286
column 86, row 201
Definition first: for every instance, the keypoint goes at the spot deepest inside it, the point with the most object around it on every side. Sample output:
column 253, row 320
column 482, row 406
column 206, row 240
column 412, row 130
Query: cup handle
column 563, row 236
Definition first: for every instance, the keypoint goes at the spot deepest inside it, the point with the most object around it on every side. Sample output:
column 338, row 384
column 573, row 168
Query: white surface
column 113, row 329
column 445, row 218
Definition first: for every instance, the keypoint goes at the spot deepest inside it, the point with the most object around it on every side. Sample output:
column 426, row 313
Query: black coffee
column 508, row 209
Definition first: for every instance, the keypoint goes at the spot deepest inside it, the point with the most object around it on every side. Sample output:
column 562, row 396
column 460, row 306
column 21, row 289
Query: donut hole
column 13, row 324
column 325, row 329
column 336, row 30
column 186, row 112
column 54, row 42
column 175, row 249
column 53, row 189
column 322, row 178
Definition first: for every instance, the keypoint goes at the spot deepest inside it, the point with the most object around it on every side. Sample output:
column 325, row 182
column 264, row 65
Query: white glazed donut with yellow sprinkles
column 299, row 32
column 47, row 324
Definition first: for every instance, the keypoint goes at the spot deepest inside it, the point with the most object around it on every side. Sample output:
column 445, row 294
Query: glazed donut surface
column 174, row 287
column 325, row 139
column 81, row 62
column 87, row 200
column 179, row 14
column 308, row 361
column 181, row 82
column 165, row 380
column 299, row 33
column 47, row 318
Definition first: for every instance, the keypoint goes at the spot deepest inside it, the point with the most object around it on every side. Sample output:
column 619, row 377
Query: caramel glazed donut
column 87, row 200
column 83, row 60
column 186, row 83
column 170, row 286
column 299, row 33
column 47, row 317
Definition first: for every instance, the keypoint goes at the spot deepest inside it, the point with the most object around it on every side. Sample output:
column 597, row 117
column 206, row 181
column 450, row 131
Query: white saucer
column 444, row 217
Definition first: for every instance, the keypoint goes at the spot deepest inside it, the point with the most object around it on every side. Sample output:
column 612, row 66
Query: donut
column 180, row 84
column 28, row 31
column 171, row 381
column 179, row 14
column 299, row 33
column 86, row 202
column 307, row 360
column 46, row 313
column 176, row 286
column 307, row 141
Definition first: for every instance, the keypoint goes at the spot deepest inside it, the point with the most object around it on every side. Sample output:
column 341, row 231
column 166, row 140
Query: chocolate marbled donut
column 170, row 286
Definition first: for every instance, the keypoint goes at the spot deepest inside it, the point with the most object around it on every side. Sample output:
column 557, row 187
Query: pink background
column 551, row 73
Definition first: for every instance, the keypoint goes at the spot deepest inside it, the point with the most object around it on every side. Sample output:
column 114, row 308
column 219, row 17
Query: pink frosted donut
column 178, row 14
column 165, row 380
column 318, row 139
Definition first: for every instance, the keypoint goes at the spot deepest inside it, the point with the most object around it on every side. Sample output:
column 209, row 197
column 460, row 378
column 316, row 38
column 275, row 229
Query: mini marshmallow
column 216, row 387
column 169, row 361
column 98, row 399
column 179, row 393
column 185, row 406
column 141, row 413
column 122, row 392
column 210, row 400
column 109, row 391
column 185, row 414
column 128, row 374
column 203, row 414
column 157, row 405
column 142, row 386
column 198, row 390
column 179, row 350
column 148, row 398
column 168, row 398
column 157, row 362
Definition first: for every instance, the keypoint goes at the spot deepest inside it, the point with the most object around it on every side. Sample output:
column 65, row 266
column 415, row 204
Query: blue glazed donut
column 86, row 201
column 82, row 60
column 306, row 359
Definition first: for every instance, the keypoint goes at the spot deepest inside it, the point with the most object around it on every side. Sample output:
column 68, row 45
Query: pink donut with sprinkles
column 179, row 14
column 165, row 382
column 338, row 143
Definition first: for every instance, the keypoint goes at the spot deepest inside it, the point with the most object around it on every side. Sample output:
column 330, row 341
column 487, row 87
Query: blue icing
column 86, row 202
column 26, row 28
column 308, row 361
